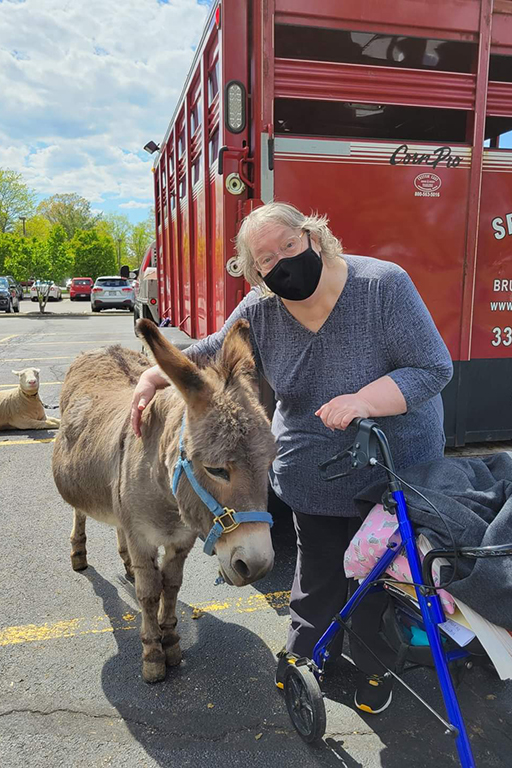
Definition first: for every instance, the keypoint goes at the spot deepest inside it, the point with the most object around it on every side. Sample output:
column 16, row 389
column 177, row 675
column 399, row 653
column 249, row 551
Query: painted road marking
column 31, row 633
column 6, row 338
column 41, row 384
column 28, row 442
column 22, row 359
column 58, row 341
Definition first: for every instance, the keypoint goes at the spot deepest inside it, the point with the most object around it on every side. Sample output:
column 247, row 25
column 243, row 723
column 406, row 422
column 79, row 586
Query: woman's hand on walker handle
column 381, row 397
column 339, row 412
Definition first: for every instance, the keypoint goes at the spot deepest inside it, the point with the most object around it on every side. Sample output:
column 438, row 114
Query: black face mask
column 296, row 278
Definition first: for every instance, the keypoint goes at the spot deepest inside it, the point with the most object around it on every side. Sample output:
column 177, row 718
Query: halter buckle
column 232, row 523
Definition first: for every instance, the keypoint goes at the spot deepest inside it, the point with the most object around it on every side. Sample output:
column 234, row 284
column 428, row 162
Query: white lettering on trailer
column 501, row 306
column 499, row 226
column 502, row 336
column 502, row 285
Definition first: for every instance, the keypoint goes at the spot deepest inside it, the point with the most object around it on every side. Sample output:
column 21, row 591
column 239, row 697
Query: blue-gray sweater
column 378, row 326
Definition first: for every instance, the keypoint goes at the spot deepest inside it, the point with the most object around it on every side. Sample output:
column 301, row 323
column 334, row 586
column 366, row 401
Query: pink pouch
column 369, row 544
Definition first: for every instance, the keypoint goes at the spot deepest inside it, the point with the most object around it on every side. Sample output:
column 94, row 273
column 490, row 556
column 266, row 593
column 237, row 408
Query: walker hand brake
column 364, row 449
column 323, row 467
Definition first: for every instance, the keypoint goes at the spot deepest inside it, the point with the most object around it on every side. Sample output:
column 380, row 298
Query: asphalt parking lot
column 71, row 692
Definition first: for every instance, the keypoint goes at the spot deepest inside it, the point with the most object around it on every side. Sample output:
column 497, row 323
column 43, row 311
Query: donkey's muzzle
column 250, row 567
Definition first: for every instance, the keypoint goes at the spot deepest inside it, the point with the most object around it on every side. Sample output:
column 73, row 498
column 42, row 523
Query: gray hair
column 285, row 214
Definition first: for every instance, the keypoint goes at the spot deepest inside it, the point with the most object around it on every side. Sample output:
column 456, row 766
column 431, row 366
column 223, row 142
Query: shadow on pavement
column 218, row 707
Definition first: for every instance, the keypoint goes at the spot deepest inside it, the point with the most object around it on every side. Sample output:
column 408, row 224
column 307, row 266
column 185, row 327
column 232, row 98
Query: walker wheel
column 305, row 703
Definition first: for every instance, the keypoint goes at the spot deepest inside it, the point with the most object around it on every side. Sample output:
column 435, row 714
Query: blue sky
column 84, row 85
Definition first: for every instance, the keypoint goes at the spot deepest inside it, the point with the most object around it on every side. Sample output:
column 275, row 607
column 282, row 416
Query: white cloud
column 85, row 85
column 134, row 204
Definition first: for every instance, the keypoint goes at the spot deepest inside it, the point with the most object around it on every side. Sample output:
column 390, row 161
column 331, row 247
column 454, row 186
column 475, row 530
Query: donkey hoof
column 79, row 561
column 153, row 671
column 173, row 655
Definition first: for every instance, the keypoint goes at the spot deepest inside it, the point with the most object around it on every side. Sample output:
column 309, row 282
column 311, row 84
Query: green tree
column 119, row 228
column 70, row 210
column 35, row 226
column 8, row 244
column 60, row 254
column 141, row 238
column 94, row 254
column 16, row 199
column 29, row 259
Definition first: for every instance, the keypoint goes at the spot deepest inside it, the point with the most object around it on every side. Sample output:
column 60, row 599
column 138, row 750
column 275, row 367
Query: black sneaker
column 284, row 660
column 374, row 693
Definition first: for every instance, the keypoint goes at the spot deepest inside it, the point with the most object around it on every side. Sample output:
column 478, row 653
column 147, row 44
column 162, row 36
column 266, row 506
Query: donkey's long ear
column 183, row 373
column 237, row 357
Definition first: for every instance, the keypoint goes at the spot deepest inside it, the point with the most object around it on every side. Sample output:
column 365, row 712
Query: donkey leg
column 172, row 577
column 148, row 586
column 122, row 548
column 78, row 539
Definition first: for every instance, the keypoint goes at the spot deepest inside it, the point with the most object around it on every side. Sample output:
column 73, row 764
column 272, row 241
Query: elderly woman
column 336, row 337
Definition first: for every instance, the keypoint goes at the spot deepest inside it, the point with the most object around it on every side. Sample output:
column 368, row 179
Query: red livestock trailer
column 390, row 117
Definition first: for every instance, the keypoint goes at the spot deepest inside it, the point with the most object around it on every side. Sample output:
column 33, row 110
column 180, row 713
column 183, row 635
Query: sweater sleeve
column 422, row 365
column 208, row 347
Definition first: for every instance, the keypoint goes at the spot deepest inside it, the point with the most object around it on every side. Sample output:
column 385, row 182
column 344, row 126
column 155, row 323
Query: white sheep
column 21, row 408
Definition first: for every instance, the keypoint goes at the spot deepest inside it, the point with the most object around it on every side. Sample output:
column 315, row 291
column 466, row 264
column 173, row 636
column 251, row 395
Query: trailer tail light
column 235, row 106
column 217, row 18
column 152, row 301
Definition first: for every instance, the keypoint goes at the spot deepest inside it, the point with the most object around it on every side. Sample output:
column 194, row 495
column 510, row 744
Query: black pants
column 320, row 590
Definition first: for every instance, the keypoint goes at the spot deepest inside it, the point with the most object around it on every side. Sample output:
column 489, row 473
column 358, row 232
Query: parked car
column 9, row 301
column 48, row 286
column 18, row 286
column 80, row 288
column 112, row 292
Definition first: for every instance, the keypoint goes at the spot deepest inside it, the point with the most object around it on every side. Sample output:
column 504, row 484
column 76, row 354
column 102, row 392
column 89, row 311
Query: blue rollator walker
column 301, row 683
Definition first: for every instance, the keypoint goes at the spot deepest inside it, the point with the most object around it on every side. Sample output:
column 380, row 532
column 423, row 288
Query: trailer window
column 373, row 121
column 318, row 44
column 500, row 68
column 196, row 171
column 498, row 132
column 195, row 117
column 214, row 147
column 213, row 82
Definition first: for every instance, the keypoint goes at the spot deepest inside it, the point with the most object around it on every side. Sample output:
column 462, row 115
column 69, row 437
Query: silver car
column 112, row 292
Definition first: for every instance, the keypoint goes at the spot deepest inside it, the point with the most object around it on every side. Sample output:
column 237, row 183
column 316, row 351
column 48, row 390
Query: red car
column 80, row 288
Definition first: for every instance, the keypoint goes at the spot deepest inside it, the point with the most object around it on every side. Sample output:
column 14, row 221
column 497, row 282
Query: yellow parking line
column 22, row 359
column 57, row 341
column 92, row 333
column 41, row 384
column 30, row 633
column 27, row 442
column 6, row 338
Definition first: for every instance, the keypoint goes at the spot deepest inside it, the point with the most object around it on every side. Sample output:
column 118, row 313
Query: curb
column 53, row 315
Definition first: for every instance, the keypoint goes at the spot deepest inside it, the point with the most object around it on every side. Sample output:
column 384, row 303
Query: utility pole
column 119, row 241
column 23, row 219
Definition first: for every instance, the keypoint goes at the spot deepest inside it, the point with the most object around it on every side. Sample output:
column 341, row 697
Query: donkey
column 202, row 461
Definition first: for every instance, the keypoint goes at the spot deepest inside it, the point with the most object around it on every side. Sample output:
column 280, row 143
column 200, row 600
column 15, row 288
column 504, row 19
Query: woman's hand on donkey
column 339, row 412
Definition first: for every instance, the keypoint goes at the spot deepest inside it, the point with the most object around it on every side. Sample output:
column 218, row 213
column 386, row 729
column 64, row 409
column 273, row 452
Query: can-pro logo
column 427, row 185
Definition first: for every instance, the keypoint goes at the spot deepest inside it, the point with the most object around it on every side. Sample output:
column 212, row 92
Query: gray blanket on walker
column 474, row 496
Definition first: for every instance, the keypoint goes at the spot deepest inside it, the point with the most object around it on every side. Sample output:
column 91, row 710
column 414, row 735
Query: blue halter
column 224, row 519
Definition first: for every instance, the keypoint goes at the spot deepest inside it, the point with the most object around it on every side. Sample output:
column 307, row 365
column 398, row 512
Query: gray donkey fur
column 103, row 471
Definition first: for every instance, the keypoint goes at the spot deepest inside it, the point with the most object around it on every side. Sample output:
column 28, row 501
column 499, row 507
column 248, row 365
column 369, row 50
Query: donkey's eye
column 218, row 472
